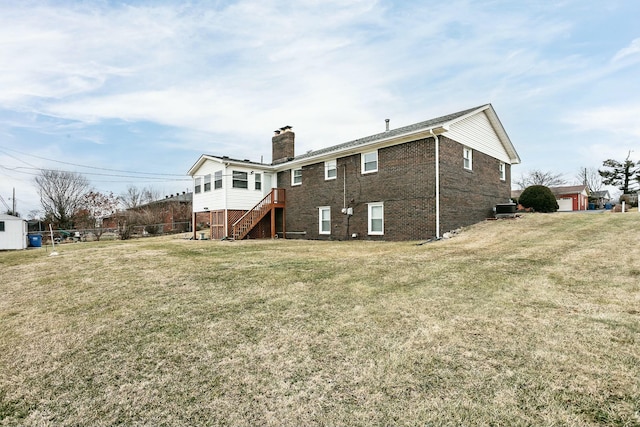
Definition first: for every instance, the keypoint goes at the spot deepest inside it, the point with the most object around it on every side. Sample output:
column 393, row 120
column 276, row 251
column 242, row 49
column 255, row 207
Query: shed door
column 565, row 204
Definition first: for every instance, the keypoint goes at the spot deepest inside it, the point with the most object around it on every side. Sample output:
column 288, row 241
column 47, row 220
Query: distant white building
column 13, row 233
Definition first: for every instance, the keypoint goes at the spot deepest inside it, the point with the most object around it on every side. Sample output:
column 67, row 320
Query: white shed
column 13, row 232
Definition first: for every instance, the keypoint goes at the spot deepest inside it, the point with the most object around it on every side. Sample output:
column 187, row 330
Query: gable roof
column 438, row 125
column 224, row 159
column 569, row 189
column 424, row 129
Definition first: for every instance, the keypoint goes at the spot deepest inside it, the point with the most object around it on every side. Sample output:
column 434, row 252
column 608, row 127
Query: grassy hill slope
column 534, row 321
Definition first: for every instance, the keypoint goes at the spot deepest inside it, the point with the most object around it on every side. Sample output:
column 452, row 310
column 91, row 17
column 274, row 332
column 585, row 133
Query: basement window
column 296, row 176
column 467, row 155
column 376, row 218
column 369, row 162
column 217, row 180
column 324, row 220
column 240, row 179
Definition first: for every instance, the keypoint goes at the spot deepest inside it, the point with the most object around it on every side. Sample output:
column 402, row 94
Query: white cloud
column 619, row 119
column 631, row 50
column 222, row 75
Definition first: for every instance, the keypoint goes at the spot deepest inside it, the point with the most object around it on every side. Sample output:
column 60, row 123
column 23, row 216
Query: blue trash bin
column 35, row 240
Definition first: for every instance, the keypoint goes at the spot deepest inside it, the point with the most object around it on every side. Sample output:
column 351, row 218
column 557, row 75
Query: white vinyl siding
column 369, row 162
column 296, row 176
column 227, row 196
column 330, row 169
column 467, row 156
column 324, row 220
column 375, row 214
column 477, row 133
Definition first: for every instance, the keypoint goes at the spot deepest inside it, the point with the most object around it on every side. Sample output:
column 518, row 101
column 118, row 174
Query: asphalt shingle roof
column 390, row 133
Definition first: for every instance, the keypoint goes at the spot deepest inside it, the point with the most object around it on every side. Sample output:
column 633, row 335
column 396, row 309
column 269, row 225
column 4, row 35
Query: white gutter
column 437, row 142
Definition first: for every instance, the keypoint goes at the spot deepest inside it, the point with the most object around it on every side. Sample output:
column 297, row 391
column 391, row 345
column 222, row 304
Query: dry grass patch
column 527, row 322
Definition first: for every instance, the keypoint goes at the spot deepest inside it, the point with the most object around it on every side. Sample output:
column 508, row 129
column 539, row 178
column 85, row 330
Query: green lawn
column 534, row 321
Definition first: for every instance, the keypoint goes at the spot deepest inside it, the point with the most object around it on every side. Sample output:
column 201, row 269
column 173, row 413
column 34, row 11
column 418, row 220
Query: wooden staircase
column 247, row 222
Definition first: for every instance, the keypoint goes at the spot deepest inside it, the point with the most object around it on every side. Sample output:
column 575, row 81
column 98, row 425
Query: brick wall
column 405, row 183
column 467, row 196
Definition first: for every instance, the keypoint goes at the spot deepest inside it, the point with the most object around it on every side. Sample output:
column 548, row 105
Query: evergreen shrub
column 539, row 198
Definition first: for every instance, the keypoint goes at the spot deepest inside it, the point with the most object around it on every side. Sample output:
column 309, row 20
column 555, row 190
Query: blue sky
column 109, row 88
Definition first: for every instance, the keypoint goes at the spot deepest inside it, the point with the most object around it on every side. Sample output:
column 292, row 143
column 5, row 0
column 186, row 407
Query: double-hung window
column 217, row 180
column 503, row 171
column 467, row 155
column 207, row 182
column 258, row 181
column 197, row 186
column 1, row 225
column 330, row 169
column 375, row 218
column 369, row 162
column 240, row 179
column 324, row 220
column 296, row 176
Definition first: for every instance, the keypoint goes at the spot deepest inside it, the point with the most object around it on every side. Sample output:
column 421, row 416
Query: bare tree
column 61, row 195
column 95, row 207
column 591, row 178
column 538, row 177
column 136, row 197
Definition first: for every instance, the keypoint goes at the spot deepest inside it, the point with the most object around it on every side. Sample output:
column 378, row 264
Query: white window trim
column 503, row 171
column 362, row 157
column 207, row 180
column 197, row 185
column 293, row 174
column 257, row 181
column 320, row 210
column 468, row 150
column 369, row 218
column 239, row 176
column 216, row 181
column 328, row 166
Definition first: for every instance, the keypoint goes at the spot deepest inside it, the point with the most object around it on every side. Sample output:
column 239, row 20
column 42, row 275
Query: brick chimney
column 282, row 145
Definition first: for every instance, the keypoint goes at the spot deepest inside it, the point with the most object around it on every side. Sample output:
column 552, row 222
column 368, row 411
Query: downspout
column 437, row 147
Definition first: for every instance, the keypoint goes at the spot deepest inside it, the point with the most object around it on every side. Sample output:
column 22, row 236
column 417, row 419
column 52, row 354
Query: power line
column 95, row 173
column 82, row 166
column 126, row 179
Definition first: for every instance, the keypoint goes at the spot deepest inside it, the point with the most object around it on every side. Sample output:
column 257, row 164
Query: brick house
column 409, row 183
column 168, row 215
